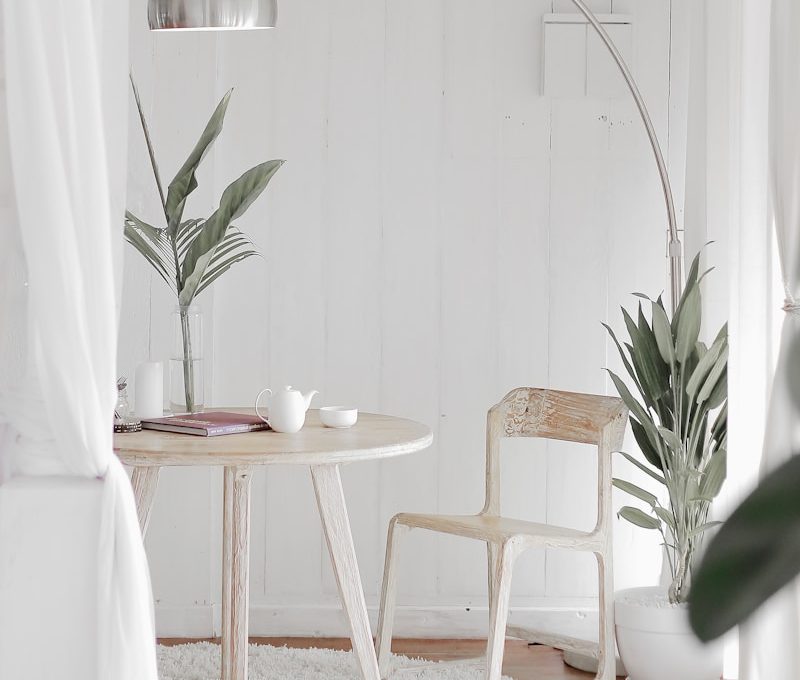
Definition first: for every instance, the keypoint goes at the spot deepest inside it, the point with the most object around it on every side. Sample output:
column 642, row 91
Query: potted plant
column 190, row 254
column 679, row 421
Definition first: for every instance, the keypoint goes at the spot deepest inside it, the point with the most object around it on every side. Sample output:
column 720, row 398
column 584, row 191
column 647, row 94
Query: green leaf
column 639, row 518
column 663, row 333
column 672, row 440
column 149, row 254
column 633, row 405
column 722, row 333
column 150, row 151
column 704, row 366
column 720, row 426
column 714, row 474
column 644, row 468
column 665, row 516
column 649, row 451
column 691, row 282
column 236, row 199
column 703, row 528
column 214, row 272
column 153, row 233
column 234, row 240
column 697, row 435
column 706, row 272
column 754, row 554
column 186, row 233
column 630, row 324
column 185, row 182
column 720, row 392
column 156, row 238
column 636, row 491
column 625, row 361
column 717, row 373
column 147, row 240
column 640, row 414
column 652, row 369
column 688, row 325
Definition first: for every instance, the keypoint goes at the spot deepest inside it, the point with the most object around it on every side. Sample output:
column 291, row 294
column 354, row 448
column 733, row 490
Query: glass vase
column 186, row 361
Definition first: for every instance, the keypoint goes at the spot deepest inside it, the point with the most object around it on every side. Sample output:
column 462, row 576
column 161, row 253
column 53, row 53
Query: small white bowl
column 338, row 416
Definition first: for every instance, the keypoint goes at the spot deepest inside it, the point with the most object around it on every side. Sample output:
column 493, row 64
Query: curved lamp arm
column 674, row 245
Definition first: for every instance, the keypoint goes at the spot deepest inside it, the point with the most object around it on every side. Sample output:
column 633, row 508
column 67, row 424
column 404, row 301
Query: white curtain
column 775, row 631
column 743, row 173
column 66, row 69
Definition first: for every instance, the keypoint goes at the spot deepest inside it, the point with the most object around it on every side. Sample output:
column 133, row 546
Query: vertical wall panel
column 411, row 254
column 523, row 287
column 578, row 288
column 353, row 249
column 297, row 278
column 469, row 200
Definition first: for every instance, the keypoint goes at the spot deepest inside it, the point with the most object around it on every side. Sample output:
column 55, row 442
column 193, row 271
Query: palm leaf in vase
column 190, row 254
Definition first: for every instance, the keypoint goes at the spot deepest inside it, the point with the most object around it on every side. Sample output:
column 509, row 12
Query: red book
column 208, row 424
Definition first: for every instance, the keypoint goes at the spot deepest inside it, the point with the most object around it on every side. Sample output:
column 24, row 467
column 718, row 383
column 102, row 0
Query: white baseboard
column 412, row 621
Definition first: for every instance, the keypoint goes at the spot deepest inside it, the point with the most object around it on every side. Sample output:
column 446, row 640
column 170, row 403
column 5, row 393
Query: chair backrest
column 552, row 414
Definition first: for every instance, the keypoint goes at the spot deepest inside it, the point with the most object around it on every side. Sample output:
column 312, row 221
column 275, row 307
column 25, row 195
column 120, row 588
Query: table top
column 373, row 436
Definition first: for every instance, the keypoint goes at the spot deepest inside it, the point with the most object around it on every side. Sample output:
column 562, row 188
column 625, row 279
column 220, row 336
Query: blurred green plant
column 679, row 421
column 190, row 254
column 757, row 550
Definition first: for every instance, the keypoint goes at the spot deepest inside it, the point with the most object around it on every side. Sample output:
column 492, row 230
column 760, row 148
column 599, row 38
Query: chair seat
column 493, row 528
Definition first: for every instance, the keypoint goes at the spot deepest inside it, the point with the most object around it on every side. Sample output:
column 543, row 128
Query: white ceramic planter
column 655, row 641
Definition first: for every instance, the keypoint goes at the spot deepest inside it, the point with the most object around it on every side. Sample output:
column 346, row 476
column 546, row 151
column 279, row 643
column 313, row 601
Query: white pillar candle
column 149, row 390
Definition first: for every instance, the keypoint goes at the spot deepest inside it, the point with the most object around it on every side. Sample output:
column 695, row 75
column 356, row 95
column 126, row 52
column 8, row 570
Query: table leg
column 144, row 481
column 336, row 524
column 235, row 573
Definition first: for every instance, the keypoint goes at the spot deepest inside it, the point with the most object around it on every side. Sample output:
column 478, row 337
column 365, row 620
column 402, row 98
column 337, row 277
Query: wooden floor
column 521, row 662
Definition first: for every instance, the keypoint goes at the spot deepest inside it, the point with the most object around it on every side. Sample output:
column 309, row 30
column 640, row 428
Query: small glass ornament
column 124, row 420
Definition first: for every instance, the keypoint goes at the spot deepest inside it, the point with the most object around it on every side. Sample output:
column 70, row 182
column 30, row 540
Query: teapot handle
column 258, row 398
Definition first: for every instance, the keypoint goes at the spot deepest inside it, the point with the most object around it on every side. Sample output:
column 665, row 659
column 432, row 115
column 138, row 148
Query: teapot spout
column 308, row 396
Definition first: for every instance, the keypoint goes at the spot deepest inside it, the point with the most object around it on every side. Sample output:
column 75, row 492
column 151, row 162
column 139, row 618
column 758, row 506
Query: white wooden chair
column 526, row 412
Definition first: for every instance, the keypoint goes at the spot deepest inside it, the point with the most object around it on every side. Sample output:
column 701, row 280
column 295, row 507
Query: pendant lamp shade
column 211, row 15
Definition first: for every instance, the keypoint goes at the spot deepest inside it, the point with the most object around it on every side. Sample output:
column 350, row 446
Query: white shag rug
column 201, row 661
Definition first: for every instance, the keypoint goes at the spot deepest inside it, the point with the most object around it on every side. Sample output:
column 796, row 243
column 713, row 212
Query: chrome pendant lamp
column 211, row 15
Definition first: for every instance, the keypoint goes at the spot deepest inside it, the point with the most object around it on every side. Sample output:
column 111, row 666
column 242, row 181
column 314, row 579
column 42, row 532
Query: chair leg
column 492, row 553
column 607, row 660
column 383, row 638
column 505, row 555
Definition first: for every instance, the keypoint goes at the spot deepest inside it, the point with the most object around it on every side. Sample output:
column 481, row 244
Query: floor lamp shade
column 211, row 15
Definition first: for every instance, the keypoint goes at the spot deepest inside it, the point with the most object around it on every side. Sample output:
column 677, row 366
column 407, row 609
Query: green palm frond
column 191, row 254
column 235, row 247
column 153, row 245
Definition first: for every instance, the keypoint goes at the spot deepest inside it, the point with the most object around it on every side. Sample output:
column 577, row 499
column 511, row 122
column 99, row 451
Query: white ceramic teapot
column 287, row 409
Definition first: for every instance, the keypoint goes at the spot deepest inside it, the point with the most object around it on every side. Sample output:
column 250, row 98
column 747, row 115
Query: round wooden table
column 323, row 450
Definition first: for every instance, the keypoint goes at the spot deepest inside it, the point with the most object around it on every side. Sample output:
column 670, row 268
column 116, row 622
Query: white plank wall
column 441, row 233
